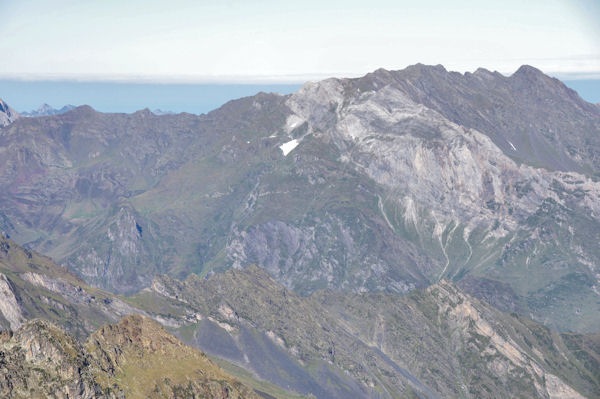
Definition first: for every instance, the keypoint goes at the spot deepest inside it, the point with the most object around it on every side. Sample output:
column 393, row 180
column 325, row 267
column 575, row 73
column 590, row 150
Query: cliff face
column 134, row 359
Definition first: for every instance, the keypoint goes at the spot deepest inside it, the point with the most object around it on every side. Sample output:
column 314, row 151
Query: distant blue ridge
column 130, row 97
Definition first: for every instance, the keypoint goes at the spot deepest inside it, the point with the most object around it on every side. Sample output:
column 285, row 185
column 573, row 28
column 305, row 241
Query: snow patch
column 289, row 146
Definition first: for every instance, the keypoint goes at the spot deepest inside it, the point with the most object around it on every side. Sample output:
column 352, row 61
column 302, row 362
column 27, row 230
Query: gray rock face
column 410, row 149
column 452, row 188
column 7, row 114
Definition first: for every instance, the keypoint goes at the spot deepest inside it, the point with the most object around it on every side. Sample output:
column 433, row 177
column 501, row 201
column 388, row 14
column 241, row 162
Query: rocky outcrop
column 505, row 356
column 9, row 305
column 133, row 359
column 423, row 158
column 40, row 360
column 7, row 114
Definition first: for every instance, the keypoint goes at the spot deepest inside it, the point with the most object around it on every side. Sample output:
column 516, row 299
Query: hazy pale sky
column 263, row 40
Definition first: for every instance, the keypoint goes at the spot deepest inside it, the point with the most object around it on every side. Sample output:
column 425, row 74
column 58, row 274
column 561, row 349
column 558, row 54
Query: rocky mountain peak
column 44, row 340
column 529, row 71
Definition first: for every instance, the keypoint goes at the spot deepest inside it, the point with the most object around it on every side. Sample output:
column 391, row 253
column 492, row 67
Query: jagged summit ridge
column 520, row 109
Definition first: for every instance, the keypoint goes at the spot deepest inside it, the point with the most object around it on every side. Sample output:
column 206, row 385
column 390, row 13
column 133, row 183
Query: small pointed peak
column 381, row 71
column 482, row 71
column 145, row 112
column 82, row 110
column 528, row 70
column 440, row 67
column 377, row 78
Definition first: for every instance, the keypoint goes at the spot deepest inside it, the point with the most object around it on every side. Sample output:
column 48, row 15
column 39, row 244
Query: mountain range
column 47, row 110
column 392, row 182
column 413, row 233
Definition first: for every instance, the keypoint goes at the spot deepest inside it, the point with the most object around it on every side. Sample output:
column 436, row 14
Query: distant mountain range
column 47, row 110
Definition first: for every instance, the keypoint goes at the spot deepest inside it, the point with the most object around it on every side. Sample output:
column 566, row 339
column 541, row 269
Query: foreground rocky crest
column 133, row 359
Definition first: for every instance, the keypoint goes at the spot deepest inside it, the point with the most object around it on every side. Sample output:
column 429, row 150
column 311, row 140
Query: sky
column 194, row 55
column 258, row 41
